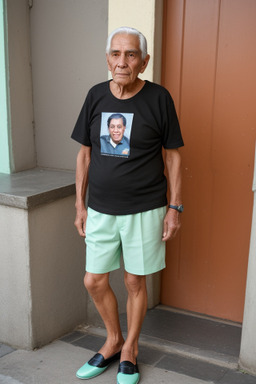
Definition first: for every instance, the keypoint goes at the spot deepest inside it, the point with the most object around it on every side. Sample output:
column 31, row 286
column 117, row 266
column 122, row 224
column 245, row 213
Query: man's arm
column 82, row 166
column 172, row 218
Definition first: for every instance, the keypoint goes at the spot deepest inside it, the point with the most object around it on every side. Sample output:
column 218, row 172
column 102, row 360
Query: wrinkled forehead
column 125, row 41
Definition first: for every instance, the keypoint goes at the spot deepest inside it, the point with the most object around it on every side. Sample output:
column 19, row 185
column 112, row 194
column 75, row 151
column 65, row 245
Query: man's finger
column 165, row 229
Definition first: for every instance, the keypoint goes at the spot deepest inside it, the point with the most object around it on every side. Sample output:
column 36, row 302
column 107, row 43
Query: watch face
column 180, row 208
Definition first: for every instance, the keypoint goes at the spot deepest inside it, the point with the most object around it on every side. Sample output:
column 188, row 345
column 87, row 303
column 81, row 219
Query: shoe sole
column 92, row 376
column 134, row 383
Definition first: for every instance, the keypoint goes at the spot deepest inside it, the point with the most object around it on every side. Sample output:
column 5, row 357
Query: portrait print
column 115, row 134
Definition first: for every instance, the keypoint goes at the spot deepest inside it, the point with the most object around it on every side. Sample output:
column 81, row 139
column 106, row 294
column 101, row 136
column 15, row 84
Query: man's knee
column 94, row 283
column 134, row 283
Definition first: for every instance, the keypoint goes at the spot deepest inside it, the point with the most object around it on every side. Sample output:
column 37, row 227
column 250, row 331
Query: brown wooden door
column 209, row 66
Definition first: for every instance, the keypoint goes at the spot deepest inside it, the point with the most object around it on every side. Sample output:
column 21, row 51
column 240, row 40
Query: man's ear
column 145, row 64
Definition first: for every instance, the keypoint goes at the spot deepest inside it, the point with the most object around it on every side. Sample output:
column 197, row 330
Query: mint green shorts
column 138, row 237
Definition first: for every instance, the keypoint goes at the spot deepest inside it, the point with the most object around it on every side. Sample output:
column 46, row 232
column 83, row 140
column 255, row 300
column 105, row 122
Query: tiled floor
column 188, row 366
column 163, row 329
column 199, row 333
column 5, row 350
column 194, row 331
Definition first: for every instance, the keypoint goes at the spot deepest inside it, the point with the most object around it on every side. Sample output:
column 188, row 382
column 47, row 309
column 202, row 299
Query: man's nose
column 122, row 61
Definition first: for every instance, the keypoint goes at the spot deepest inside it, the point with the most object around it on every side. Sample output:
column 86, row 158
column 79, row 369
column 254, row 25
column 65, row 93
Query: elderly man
column 127, row 196
column 115, row 143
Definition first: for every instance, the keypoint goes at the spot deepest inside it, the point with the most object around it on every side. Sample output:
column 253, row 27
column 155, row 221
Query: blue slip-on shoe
column 95, row 366
column 128, row 373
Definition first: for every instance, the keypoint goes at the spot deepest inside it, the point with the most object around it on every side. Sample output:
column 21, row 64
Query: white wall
column 15, row 297
column 247, row 359
column 20, row 86
column 68, row 57
column 57, row 260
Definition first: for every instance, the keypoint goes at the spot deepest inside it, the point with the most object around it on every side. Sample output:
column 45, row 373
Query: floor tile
column 94, row 343
column 149, row 356
column 71, row 337
column 192, row 368
column 236, row 377
column 193, row 331
column 5, row 350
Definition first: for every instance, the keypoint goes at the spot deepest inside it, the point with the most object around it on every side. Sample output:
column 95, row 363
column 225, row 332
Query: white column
column 247, row 359
column 21, row 117
column 146, row 16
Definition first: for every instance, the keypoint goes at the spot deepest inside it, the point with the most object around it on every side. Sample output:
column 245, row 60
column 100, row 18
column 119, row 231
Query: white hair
column 129, row 31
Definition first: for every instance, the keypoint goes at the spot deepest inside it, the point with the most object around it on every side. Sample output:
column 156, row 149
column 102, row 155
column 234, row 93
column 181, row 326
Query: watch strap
column 178, row 208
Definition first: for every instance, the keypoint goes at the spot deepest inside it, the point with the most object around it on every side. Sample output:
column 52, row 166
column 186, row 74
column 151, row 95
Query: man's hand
column 171, row 224
column 82, row 166
column 80, row 221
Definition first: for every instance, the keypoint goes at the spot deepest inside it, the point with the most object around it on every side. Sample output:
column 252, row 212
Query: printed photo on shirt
column 115, row 134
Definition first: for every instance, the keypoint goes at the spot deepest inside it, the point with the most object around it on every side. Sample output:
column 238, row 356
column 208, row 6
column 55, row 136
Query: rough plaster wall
column 68, row 57
column 57, row 270
column 15, row 298
column 20, row 86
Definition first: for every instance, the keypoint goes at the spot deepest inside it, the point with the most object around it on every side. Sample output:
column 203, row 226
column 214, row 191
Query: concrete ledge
column 42, row 259
column 29, row 189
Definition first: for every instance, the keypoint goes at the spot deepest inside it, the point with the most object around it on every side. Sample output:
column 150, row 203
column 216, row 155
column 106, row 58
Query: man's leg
column 136, row 310
column 105, row 301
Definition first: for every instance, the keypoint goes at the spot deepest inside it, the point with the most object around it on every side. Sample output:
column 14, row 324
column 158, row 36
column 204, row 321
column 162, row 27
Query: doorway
column 209, row 62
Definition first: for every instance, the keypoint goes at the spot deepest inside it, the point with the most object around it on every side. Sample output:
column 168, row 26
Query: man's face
column 124, row 59
column 116, row 130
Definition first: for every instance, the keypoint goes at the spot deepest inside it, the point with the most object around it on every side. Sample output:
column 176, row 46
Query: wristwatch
column 178, row 208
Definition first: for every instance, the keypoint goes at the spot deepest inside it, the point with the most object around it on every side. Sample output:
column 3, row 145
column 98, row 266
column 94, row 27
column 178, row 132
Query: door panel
column 209, row 67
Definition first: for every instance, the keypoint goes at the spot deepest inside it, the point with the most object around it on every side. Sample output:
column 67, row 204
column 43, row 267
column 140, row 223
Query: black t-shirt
column 127, row 184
